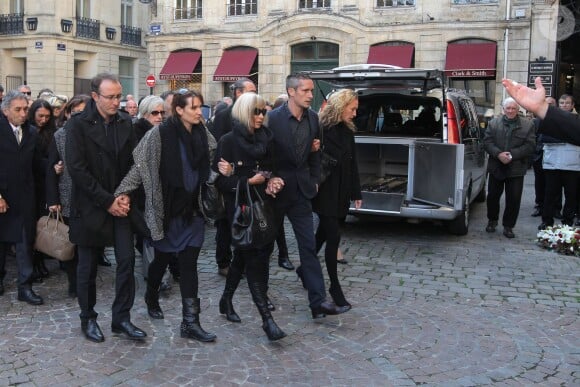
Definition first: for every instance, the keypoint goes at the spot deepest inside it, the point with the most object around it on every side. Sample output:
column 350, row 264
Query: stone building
column 61, row 45
column 209, row 44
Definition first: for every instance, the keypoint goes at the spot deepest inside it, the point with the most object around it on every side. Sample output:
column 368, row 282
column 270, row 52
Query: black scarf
column 254, row 144
column 176, row 200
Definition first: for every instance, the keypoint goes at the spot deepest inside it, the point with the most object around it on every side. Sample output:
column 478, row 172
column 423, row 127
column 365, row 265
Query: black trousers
column 329, row 231
column 23, row 260
column 281, row 241
column 557, row 179
column 124, row 276
column 539, row 183
column 299, row 212
column 513, row 187
column 223, row 241
column 187, row 262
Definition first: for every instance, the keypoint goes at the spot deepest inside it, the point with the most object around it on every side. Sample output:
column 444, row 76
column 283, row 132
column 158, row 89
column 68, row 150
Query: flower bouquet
column 561, row 238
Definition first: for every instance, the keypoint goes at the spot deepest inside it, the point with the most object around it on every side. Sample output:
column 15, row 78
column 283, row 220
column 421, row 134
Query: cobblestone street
column 429, row 308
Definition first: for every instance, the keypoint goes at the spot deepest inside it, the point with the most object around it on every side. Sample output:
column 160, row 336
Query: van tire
column 460, row 225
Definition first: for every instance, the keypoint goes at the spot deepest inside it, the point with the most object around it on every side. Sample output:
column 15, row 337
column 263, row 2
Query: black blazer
column 20, row 168
column 222, row 122
column 95, row 172
column 300, row 174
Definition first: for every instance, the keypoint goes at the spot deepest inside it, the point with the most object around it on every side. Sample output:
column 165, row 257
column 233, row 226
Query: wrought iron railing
column 12, row 24
column 131, row 36
column 88, row 28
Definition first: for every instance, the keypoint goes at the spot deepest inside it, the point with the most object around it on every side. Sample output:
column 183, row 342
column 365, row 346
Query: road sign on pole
column 150, row 80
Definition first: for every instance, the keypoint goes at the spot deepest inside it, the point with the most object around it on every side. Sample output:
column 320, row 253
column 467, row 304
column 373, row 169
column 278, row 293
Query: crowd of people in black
column 131, row 178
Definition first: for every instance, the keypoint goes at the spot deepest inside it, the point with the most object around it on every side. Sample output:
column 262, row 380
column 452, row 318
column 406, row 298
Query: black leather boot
column 152, row 302
column 269, row 326
column 190, row 327
column 226, row 307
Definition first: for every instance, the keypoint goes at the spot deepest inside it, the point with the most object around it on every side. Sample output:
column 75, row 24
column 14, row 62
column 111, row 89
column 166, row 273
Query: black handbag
column 327, row 162
column 253, row 225
column 211, row 200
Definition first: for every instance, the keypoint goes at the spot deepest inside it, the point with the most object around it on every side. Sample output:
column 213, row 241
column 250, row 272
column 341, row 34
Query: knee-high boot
column 269, row 326
column 232, row 281
column 190, row 327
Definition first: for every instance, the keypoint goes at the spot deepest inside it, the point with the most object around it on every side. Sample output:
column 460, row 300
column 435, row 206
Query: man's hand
column 275, row 185
column 120, row 206
column 530, row 99
column 59, row 167
column 505, row 157
column 3, row 206
column 315, row 145
column 257, row 179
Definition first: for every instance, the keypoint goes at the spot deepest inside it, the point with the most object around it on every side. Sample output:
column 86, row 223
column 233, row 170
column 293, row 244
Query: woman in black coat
column 248, row 148
column 342, row 185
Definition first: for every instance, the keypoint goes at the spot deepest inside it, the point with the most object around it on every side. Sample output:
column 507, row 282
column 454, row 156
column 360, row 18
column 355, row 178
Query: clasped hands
column 505, row 157
column 120, row 206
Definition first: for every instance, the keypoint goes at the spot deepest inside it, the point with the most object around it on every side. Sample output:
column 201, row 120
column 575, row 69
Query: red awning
column 180, row 65
column 474, row 60
column 235, row 64
column 401, row 56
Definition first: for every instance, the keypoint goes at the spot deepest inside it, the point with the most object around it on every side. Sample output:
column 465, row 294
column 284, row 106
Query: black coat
column 561, row 125
column 222, row 122
column 300, row 174
column 96, row 171
column 20, row 167
column 343, row 184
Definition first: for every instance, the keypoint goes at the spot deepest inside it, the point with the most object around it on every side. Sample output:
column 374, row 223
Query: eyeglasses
column 158, row 112
column 29, row 93
column 118, row 97
column 263, row 112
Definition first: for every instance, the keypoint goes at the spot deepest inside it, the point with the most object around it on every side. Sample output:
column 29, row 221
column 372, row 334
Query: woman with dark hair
column 172, row 162
column 248, row 147
column 58, row 181
column 342, row 185
column 42, row 122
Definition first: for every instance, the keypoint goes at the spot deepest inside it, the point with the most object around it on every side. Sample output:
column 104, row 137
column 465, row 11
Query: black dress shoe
column 129, row 330
column 508, row 232
column 544, row 226
column 28, row 295
column 329, row 308
column 284, row 262
column 342, row 261
column 104, row 261
column 537, row 212
column 491, row 225
column 92, row 331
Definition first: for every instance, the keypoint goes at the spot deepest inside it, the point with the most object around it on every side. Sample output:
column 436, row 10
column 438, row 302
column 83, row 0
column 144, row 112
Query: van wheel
column 460, row 225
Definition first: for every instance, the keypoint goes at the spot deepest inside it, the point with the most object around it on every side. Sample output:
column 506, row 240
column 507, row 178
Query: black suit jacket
column 96, row 171
column 222, row 122
column 20, row 167
column 302, row 173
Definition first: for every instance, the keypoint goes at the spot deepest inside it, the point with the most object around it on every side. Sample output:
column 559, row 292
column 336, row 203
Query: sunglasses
column 27, row 93
column 157, row 112
column 263, row 112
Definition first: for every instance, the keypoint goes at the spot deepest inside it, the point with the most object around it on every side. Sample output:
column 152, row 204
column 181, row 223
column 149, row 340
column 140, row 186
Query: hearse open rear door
column 436, row 174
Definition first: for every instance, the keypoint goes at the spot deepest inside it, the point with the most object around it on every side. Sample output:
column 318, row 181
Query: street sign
column 546, row 79
column 150, row 81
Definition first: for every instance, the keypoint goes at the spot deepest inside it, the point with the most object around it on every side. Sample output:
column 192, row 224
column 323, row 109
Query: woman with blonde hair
column 248, row 147
column 342, row 186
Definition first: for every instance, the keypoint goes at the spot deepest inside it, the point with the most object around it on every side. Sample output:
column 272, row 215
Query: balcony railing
column 88, row 28
column 131, row 36
column 12, row 24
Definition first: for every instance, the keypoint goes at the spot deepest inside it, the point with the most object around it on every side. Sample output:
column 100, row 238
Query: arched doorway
column 315, row 56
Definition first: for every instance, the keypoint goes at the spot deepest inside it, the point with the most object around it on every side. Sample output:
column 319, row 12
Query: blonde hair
column 244, row 106
column 332, row 113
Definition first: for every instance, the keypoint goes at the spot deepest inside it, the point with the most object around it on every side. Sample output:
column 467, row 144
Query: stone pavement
column 429, row 309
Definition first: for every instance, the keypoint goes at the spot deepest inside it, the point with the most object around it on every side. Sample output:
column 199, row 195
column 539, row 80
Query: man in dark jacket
column 295, row 127
column 19, row 164
column 222, row 124
column 99, row 146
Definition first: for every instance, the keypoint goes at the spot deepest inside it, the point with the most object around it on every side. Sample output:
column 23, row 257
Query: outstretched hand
column 530, row 99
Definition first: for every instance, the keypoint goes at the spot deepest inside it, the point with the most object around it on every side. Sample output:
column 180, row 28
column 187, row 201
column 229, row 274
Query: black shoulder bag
column 327, row 162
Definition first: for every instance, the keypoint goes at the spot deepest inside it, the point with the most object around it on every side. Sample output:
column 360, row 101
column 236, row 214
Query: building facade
column 62, row 45
column 209, row 44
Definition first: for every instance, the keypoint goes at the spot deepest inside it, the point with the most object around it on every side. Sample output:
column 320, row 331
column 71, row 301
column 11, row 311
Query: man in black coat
column 222, row 124
column 295, row 126
column 19, row 164
column 99, row 146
